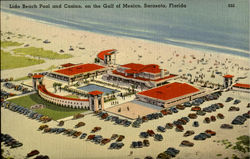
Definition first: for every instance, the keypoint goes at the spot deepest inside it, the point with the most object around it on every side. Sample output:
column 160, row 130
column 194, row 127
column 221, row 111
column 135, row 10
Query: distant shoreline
column 183, row 43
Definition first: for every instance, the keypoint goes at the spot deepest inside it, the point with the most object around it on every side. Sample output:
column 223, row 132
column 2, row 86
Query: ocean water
column 209, row 25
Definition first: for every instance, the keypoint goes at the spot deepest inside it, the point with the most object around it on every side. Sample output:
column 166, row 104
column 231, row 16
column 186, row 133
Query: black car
column 144, row 134
column 196, row 124
column 134, row 144
column 229, row 99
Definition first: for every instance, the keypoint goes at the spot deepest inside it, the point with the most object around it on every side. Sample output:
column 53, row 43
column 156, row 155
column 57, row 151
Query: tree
column 60, row 86
column 55, row 85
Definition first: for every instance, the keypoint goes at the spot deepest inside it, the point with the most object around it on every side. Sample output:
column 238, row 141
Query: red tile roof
column 37, row 76
column 143, row 79
column 83, row 68
column 95, row 93
column 138, row 68
column 45, row 91
column 241, row 85
column 105, row 52
column 228, row 76
column 170, row 91
column 68, row 65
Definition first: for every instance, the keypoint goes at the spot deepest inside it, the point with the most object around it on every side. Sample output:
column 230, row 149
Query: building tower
column 37, row 80
column 96, row 101
column 228, row 80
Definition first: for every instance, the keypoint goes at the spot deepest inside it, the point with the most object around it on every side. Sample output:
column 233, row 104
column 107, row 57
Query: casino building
column 170, row 94
column 77, row 72
column 241, row 87
column 138, row 74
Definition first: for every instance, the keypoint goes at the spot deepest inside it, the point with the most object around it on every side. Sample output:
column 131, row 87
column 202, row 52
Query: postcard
column 123, row 79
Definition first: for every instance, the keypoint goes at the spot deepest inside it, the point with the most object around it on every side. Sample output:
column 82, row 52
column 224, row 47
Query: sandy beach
column 176, row 59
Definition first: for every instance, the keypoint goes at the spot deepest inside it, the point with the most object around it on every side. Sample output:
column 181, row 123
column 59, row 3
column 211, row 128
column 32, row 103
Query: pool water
column 94, row 87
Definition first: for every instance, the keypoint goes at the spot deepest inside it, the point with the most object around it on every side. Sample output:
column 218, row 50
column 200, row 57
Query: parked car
column 33, row 153
column 60, row 130
column 213, row 118
column 134, row 144
column 246, row 115
column 181, row 107
column 163, row 156
column 43, row 127
column 114, row 136
column 46, row 130
column 174, row 110
column 200, row 112
column 146, row 143
column 164, row 112
column 83, row 135
column 77, row 116
column 105, row 141
column 192, row 116
column 229, row 99
column 186, row 119
column 90, row 137
column 42, row 157
column 79, row 124
column 95, row 129
column 144, row 134
column 220, row 116
column 61, row 123
column 237, row 101
column 179, row 128
column 169, row 126
column 226, row 126
column 196, row 108
column 187, row 143
column 213, row 133
column 172, row 151
column 158, row 137
column 78, row 133
column 188, row 133
column 200, row 137
column 120, row 138
column 196, row 124
column 207, row 120
column 233, row 108
column 220, row 105
column 150, row 132
column 161, row 129
column 239, row 120
column 140, row 144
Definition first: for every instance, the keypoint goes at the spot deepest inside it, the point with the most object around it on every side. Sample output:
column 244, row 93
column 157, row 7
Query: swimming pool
column 94, row 87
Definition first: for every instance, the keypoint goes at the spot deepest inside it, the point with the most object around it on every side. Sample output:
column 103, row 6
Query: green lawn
column 22, row 78
column 5, row 44
column 46, row 69
column 51, row 110
column 40, row 52
column 9, row 61
column 72, row 96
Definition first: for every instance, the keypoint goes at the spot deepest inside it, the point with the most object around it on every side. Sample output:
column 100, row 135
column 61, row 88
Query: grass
column 9, row 61
column 72, row 96
column 5, row 44
column 22, row 78
column 40, row 52
column 51, row 110
column 49, row 68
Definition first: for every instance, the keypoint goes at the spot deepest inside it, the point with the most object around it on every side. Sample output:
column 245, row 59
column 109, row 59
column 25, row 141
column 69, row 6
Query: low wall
column 63, row 101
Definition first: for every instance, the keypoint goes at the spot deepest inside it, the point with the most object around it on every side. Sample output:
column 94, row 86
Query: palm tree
column 54, row 86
